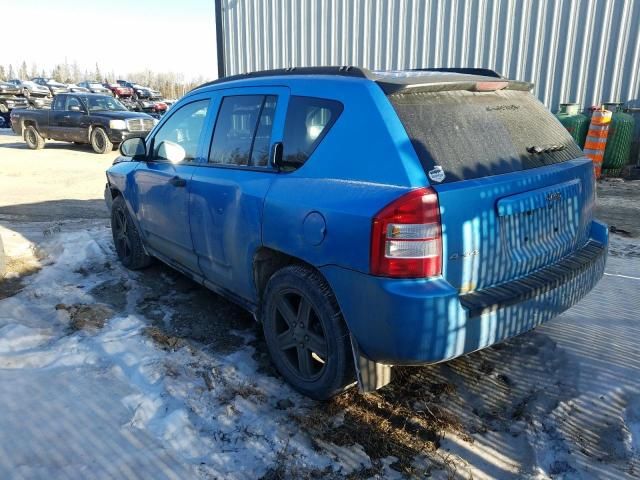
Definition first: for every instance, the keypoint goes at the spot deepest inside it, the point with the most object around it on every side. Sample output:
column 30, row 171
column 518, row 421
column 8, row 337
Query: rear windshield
column 461, row 135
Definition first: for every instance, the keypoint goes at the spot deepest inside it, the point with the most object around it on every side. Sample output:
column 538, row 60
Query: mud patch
column 162, row 339
column 86, row 317
column 387, row 423
column 113, row 293
column 183, row 309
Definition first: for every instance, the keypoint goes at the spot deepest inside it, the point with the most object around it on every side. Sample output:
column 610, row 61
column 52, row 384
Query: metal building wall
column 573, row 50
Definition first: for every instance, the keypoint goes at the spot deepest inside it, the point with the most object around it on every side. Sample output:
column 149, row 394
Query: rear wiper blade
column 545, row 148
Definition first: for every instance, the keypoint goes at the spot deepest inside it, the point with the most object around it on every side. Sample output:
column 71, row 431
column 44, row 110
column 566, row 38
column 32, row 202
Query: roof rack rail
column 344, row 71
column 485, row 72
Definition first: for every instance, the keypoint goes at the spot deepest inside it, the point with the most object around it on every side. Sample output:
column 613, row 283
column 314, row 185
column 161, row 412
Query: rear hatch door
column 515, row 191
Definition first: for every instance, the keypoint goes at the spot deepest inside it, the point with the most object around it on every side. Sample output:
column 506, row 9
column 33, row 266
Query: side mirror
column 276, row 155
column 171, row 151
column 75, row 108
column 134, row 148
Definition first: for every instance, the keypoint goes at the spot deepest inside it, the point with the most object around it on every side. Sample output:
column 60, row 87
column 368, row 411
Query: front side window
column 308, row 121
column 184, row 129
column 242, row 133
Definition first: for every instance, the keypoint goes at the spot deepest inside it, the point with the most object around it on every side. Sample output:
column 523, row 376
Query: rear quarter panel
column 39, row 118
column 360, row 166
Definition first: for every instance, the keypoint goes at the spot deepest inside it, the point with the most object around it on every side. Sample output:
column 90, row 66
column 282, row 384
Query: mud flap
column 371, row 375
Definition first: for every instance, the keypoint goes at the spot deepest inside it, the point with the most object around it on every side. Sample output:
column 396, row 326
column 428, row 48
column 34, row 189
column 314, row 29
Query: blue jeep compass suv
column 367, row 219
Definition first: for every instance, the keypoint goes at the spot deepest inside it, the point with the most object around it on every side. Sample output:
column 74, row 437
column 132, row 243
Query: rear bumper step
column 535, row 284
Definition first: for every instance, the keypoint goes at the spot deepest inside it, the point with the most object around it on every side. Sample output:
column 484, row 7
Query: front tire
column 33, row 138
column 100, row 141
column 126, row 237
column 305, row 333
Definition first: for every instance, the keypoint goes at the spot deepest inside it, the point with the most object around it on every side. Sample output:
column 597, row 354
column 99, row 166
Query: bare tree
column 22, row 72
column 172, row 85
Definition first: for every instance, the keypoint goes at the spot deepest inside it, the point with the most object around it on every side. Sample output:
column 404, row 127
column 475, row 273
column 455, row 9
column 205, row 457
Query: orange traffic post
column 597, row 138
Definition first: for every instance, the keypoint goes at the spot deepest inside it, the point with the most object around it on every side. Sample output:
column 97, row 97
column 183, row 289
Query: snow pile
column 211, row 415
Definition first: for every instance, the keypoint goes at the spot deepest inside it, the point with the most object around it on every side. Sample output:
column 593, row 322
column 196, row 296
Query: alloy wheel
column 120, row 235
column 301, row 339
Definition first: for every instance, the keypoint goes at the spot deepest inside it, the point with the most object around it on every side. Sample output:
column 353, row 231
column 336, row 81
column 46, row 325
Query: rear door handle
column 178, row 182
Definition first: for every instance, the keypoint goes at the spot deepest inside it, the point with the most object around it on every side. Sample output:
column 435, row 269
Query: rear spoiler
column 482, row 84
column 483, row 72
column 445, row 79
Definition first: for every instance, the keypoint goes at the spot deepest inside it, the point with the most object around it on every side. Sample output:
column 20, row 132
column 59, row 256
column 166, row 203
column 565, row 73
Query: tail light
column 406, row 237
column 490, row 86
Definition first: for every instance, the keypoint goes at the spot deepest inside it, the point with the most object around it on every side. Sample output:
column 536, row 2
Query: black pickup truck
column 99, row 120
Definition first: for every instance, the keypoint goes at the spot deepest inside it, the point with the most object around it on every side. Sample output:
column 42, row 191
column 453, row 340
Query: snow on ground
column 107, row 373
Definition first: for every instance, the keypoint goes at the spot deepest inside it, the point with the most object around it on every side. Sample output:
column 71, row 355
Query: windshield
column 103, row 103
column 95, row 85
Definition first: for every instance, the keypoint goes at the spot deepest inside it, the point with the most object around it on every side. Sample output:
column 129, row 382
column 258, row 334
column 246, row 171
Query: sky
column 123, row 36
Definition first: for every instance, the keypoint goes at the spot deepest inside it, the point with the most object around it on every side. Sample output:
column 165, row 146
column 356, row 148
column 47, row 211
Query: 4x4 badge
column 437, row 174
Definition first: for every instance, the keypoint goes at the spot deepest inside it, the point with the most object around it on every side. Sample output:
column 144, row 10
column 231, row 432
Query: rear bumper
column 411, row 322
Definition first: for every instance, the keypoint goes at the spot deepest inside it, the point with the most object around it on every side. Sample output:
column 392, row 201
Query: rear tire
column 305, row 333
column 33, row 138
column 100, row 141
column 126, row 237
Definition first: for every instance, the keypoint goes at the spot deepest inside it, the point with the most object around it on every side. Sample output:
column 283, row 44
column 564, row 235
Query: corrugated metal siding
column 573, row 50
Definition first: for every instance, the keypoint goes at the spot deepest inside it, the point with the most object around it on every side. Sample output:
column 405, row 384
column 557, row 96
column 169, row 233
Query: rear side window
column 308, row 121
column 478, row 134
column 242, row 133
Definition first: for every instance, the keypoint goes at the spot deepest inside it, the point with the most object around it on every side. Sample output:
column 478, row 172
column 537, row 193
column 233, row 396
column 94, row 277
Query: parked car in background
column 40, row 102
column 156, row 108
column 9, row 89
column 11, row 97
column 77, row 88
column 95, row 87
column 140, row 92
column 99, row 120
column 53, row 86
column 37, row 96
column 119, row 91
column 31, row 89
column 394, row 218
